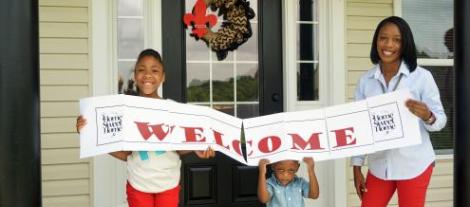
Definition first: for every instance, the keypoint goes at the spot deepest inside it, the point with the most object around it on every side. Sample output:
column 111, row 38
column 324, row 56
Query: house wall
column 64, row 78
column 362, row 16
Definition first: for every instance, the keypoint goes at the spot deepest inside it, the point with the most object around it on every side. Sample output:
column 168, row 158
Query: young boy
column 285, row 189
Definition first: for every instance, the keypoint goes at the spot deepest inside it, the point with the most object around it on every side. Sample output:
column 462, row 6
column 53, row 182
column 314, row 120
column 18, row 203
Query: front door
column 247, row 83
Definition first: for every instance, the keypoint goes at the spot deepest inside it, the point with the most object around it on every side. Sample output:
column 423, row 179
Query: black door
column 247, row 83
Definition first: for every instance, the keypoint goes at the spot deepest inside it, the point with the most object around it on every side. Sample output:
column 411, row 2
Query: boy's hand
column 309, row 161
column 208, row 153
column 262, row 166
column 81, row 122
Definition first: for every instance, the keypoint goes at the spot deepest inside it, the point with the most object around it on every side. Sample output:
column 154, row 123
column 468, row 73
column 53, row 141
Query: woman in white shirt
column 406, row 170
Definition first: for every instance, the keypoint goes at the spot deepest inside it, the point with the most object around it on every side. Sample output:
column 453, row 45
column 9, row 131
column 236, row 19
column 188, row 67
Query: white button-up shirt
column 406, row 162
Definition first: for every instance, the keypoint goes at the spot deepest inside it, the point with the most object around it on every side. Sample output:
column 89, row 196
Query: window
column 432, row 24
column 130, row 41
column 307, row 50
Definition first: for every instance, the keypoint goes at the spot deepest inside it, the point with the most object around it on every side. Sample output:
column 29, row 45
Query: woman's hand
column 419, row 109
column 208, row 153
column 81, row 122
column 359, row 181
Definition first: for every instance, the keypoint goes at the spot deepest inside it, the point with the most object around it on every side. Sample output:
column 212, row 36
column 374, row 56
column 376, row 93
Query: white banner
column 121, row 122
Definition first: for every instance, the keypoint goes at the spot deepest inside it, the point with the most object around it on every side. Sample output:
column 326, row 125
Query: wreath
column 235, row 30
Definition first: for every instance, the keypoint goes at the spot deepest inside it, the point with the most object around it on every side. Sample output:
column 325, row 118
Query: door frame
column 108, row 175
column 332, row 62
column 270, row 53
column 106, row 171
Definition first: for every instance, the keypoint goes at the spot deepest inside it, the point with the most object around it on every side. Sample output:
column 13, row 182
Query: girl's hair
column 149, row 52
column 408, row 47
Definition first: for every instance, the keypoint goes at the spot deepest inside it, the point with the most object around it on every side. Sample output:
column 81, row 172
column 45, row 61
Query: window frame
column 331, row 55
column 107, row 172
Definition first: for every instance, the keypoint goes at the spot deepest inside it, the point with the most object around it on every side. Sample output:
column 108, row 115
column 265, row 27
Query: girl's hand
column 208, row 153
column 419, row 109
column 81, row 122
column 309, row 161
column 262, row 166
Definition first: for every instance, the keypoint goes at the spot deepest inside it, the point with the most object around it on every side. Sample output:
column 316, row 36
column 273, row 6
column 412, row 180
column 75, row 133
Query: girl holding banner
column 406, row 170
column 153, row 177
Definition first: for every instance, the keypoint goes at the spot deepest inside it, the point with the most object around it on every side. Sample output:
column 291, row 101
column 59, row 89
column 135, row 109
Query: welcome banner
column 121, row 122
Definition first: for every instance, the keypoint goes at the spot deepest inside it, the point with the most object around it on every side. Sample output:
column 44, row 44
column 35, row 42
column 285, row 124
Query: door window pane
column 249, row 50
column 247, row 82
column 226, row 108
column 308, row 10
column 307, row 51
column 307, row 81
column 130, row 37
column 308, row 39
column 195, row 50
column 222, row 82
column 198, row 86
column 130, row 8
column 130, row 41
column 230, row 85
column 247, row 110
column 125, row 79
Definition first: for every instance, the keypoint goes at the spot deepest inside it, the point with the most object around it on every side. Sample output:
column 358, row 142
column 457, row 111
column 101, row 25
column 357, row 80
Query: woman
column 406, row 170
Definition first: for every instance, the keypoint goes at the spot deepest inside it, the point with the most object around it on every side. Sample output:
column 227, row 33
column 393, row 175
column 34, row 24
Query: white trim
column 307, row 22
column 210, row 61
column 130, row 17
column 337, row 78
column 325, row 42
column 337, row 85
column 332, row 91
column 445, row 157
column 104, row 167
column 109, row 174
column 289, row 44
column 397, row 8
column 153, row 27
column 435, row 62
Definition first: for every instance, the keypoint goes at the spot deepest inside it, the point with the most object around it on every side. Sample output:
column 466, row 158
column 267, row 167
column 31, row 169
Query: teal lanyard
column 396, row 85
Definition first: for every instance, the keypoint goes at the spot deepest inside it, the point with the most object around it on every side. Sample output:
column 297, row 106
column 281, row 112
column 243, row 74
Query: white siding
column 362, row 16
column 64, row 78
column 440, row 191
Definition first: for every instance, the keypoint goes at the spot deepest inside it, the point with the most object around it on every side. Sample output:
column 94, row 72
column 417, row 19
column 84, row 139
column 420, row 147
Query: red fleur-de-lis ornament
column 199, row 19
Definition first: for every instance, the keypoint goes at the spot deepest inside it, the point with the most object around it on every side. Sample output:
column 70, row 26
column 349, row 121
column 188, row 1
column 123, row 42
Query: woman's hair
column 408, row 47
column 149, row 52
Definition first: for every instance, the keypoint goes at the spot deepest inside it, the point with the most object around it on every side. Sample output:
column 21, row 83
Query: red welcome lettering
column 264, row 144
column 218, row 139
column 157, row 130
column 299, row 143
column 194, row 134
column 345, row 137
column 237, row 147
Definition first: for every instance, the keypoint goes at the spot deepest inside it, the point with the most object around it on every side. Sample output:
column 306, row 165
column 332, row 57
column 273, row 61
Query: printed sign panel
column 133, row 123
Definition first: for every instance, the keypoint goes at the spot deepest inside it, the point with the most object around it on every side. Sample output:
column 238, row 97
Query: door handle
column 275, row 97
